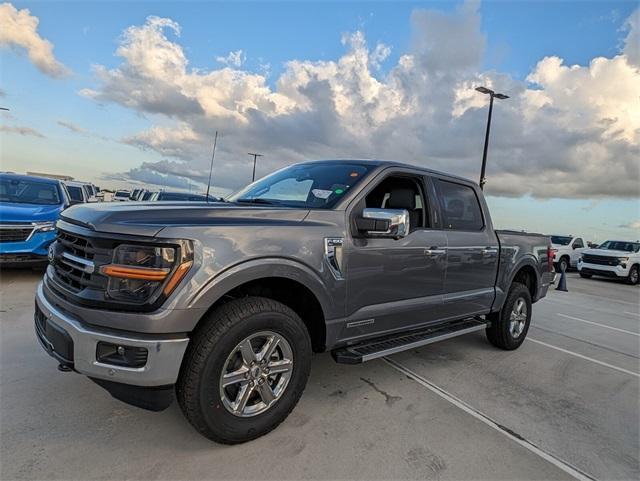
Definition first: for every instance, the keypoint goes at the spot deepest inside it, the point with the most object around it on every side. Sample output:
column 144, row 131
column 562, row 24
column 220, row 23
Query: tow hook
column 64, row 368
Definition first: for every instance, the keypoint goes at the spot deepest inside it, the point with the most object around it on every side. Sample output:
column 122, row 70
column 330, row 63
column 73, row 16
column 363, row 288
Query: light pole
column 492, row 94
column 255, row 156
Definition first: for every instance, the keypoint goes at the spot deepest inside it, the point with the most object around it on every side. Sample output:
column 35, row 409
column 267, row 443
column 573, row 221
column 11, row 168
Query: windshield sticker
column 321, row 193
column 339, row 191
column 354, row 174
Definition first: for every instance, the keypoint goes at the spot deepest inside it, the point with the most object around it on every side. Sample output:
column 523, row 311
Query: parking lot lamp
column 255, row 156
column 492, row 94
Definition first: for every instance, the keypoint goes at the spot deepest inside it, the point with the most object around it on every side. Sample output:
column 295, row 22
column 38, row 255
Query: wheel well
column 527, row 276
column 291, row 293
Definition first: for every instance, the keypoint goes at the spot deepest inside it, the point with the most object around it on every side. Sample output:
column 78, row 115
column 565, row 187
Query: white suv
column 618, row 259
column 567, row 249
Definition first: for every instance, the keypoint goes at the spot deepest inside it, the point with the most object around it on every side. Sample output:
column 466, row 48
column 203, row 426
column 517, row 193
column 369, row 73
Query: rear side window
column 460, row 206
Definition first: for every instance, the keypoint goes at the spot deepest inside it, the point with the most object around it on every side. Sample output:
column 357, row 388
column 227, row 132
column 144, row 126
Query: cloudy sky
column 125, row 94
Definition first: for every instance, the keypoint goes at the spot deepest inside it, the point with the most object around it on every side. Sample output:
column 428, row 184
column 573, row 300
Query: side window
column 578, row 244
column 461, row 209
column 401, row 192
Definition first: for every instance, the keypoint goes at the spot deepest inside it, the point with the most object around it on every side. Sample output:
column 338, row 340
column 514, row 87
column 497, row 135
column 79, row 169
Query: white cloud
column 18, row 30
column 567, row 131
column 20, row 130
column 631, row 225
column 234, row 59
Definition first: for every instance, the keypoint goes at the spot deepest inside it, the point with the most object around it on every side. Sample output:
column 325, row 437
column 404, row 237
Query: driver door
column 395, row 284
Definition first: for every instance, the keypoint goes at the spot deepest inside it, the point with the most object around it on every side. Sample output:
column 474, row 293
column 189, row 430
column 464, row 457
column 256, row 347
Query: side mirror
column 392, row 223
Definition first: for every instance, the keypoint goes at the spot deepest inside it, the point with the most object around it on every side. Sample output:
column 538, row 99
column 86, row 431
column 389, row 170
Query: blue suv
column 29, row 208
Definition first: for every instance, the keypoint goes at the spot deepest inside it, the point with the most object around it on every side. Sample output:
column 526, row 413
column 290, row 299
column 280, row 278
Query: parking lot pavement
column 456, row 410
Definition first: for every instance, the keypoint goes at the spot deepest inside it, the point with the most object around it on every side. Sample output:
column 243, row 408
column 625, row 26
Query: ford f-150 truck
column 222, row 304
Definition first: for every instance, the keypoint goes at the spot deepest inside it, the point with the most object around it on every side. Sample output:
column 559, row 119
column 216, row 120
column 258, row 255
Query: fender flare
column 528, row 260
column 265, row 267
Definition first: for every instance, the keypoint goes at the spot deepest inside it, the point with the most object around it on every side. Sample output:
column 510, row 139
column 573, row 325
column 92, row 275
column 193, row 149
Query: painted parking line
column 509, row 433
column 632, row 313
column 600, row 325
column 587, row 358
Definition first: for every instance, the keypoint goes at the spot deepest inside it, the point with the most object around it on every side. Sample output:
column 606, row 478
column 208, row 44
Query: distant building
column 51, row 176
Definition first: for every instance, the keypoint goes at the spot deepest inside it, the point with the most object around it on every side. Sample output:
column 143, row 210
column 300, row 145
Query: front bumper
column 75, row 344
column 600, row 270
column 37, row 245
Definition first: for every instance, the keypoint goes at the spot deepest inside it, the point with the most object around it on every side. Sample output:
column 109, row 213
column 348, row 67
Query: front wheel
column 632, row 278
column 245, row 370
column 509, row 327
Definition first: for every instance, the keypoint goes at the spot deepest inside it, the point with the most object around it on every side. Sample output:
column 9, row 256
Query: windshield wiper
column 258, row 201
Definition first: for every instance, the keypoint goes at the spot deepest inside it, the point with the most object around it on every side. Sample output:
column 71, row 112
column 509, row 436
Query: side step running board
column 385, row 346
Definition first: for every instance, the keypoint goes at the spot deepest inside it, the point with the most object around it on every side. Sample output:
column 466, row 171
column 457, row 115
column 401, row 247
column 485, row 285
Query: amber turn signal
column 127, row 272
column 177, row 276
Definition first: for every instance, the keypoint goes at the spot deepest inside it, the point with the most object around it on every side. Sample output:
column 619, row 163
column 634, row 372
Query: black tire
column 632, row 278
column 198, row 388
column 585, row 276
column 499, row 334
column 564, row 261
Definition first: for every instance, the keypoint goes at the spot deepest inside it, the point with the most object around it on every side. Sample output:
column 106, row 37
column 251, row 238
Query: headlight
column 44, row 226
column 137, row 272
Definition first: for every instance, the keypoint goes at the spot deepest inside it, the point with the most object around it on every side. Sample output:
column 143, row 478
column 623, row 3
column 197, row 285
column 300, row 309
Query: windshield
column 561, row 240
column 311, row 186
column 621, row 246
column 75, row 193
column 29, row 192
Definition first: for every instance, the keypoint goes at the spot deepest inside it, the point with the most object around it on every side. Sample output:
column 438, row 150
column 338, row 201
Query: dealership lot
column 563, row 405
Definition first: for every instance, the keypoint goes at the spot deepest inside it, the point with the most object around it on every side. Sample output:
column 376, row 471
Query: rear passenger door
column 472, row 249
column 577, row 246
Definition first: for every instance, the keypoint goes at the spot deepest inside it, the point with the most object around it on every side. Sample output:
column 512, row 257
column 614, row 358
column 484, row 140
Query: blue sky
column 518, row 36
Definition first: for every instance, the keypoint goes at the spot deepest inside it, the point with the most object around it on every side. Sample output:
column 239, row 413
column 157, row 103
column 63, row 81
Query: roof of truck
column 44, row 180
column 388, row 163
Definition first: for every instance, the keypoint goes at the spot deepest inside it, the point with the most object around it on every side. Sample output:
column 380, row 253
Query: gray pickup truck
column 222, row 304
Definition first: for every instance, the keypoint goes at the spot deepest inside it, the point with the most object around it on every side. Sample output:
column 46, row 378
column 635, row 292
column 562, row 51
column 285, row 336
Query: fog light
column 118, row 355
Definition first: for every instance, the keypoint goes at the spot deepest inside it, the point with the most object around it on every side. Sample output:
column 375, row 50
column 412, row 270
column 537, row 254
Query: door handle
column 489, row 250
column 434, row 252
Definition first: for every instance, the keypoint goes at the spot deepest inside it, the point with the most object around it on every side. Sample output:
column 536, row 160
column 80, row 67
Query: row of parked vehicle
column 143, row 195
column 613, row 258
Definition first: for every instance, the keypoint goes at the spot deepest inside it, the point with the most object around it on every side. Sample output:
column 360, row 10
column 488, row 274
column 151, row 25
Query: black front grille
column 600, row 260
column 15, row 232
column 77, row 262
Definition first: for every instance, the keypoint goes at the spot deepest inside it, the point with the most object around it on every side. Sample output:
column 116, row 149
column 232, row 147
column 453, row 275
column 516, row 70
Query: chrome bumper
column 163, row 360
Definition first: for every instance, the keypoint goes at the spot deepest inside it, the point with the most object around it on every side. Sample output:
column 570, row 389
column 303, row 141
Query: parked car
column 614, row 259
column 76, row 191
column 225, row 302
column 29, row 209
column 91, row 191
column 567, row 249
column 147, row 195
column 121, row 196
column 135, row 193
column 180, row 196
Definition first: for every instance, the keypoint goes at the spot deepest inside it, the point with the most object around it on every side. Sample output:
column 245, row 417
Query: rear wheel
column 563, row 265
column 632, row 278
column 509, row 327
column 245, row 370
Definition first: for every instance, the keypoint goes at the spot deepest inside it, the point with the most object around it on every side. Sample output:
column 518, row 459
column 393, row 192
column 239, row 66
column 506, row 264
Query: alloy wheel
column 256, row 374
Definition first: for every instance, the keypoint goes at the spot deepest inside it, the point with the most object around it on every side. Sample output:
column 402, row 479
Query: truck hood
column 149, row 218
column 10, row 212
column 607, row 253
